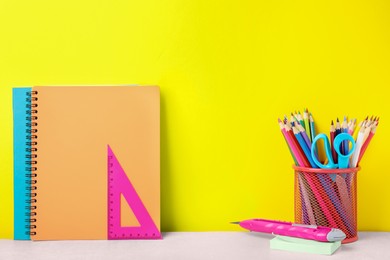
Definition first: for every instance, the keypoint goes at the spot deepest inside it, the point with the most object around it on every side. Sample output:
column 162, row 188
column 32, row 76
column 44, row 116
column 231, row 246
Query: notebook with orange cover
column 96, row 171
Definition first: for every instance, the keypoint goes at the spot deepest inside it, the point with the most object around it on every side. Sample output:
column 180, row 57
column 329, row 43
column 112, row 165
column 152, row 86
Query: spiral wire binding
column 31, row 160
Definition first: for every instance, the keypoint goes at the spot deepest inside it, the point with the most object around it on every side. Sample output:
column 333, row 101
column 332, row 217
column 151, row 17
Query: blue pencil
column 345, row 130
column 304, row 135
column 304, row 147
column 313, row 132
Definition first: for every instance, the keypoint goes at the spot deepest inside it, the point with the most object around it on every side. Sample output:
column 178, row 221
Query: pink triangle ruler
column 119, row 183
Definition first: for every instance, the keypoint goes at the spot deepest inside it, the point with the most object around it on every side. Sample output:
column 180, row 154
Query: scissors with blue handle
column 342, row 203
column 343, row 160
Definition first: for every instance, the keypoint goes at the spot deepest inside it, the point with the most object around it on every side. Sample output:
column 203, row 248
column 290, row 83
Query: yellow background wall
column 227, row 70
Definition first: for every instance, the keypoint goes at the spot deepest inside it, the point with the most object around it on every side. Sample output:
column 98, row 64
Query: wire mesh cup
column 327, row 197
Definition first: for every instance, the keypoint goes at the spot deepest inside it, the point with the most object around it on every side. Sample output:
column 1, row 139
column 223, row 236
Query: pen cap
column 327, row 197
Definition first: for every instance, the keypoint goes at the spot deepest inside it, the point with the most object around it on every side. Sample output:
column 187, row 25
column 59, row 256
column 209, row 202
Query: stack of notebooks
column 87, row 162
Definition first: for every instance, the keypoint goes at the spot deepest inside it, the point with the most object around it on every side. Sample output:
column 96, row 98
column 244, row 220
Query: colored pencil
column 285, row 120
column 307, row 124
column 313, row 133
column 312, row 127
column 326, row 183
column 338, row 128
column 299, row 152
column 304, row 147
column 358, row 146
column 367, row 142
column 344, row 145
column 357, row 129
column 325, row 204
column 295, row 150
column 332, row 134
column 304, row 135
column 353, row 125
column 300, row 162
column 346, row 203
column 369, row 122
column 300, row 119
column 350, row 122
column 351, row 129
column 337, row 132
column 367, row 131
column 293, row 119
column 281, row 125
column 377, row 121
column 307, row 202
column 319, row 215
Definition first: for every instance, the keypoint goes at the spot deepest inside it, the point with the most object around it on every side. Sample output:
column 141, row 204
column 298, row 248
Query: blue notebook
column 22, row 162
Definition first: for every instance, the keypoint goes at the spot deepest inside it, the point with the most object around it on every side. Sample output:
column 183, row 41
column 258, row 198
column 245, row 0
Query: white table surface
column 189, row 245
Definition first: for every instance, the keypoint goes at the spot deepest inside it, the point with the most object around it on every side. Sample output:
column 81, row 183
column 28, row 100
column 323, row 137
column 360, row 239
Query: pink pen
column 312, row 232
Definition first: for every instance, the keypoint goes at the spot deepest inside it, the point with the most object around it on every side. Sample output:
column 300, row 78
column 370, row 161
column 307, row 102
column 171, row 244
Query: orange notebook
column 96, row 163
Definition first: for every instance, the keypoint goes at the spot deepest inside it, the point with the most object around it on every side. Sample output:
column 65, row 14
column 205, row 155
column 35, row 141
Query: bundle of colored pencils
column 299, row 133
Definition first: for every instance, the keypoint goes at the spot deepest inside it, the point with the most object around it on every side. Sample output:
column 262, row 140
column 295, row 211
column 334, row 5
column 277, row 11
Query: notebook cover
column 21, row 131
column 75, row 127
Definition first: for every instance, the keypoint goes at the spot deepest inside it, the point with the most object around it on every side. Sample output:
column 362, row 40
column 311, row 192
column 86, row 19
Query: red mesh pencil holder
column 327, row 197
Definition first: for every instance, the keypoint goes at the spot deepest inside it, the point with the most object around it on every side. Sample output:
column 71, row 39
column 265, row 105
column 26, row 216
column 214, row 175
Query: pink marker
column 312, row 232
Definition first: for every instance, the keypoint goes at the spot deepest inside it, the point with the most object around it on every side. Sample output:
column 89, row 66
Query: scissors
column 342, row 202
column 343, row 160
